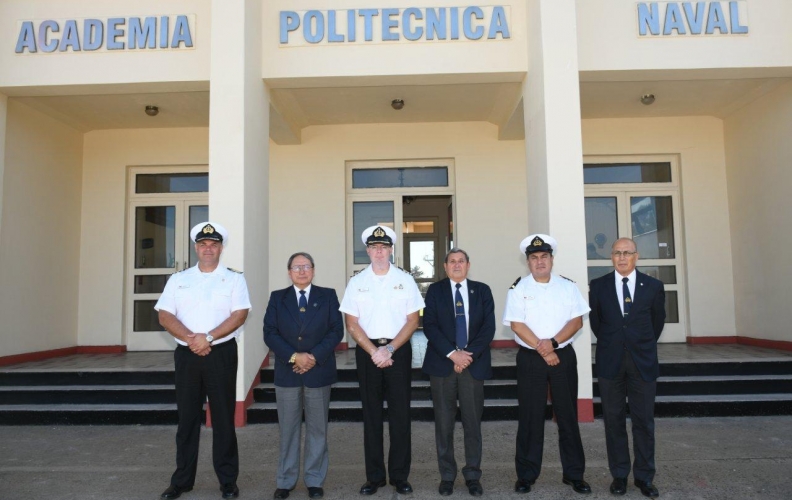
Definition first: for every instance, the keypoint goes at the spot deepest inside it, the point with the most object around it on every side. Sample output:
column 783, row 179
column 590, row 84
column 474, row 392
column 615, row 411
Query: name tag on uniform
column 363, row 289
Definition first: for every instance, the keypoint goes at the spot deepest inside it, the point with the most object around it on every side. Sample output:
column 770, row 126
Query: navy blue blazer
column 319, row 333
column 439, row 326
column 638, row 332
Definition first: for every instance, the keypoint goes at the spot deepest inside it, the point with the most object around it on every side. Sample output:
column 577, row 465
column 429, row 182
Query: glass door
column 651, row 219
column 160, row 246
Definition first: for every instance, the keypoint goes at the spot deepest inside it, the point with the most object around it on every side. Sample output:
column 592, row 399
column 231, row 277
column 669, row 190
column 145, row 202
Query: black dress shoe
column 619, row 486
column 522, row 486
column 281, row 493
column 647, row 488
column 174, row 492
column 474, row 487
column 315, row 492
column 402, row 486
column 229, row 490
column 579, row 485
column 371, row 487
column 446, row 488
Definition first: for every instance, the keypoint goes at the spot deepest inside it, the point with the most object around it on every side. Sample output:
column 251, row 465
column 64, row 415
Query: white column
column 239, row 163
column 3, row 118
column 554, row 153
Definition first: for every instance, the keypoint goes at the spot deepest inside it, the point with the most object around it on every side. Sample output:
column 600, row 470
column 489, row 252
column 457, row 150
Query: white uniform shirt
column 620, row 287
column 201, row 301
column 544, row 307
column 382, row 305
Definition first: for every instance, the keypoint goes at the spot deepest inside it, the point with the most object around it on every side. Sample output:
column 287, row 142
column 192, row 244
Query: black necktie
column 461, row 327
column 303, row 304
column 627, row 298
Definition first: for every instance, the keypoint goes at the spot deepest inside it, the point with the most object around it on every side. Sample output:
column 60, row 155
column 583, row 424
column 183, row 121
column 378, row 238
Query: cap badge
column 208, row 229
column 379, row 232
column 537, row 242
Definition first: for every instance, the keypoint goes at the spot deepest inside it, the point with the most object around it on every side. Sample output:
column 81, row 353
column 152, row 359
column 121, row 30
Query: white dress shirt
column 620, row 287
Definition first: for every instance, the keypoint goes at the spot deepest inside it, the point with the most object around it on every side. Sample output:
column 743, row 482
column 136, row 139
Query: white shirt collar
column 630, row 277
column 307, row 291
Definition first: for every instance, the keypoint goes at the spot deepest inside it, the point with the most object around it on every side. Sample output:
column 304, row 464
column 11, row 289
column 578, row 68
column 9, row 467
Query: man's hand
column 303, row 362
column 544, row 347
column 552, row 359
column 382, row 357
column 198, row 344
column 461, row 359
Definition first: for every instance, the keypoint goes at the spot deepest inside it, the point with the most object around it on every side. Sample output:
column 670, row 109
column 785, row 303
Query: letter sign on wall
column 393, row 25
column 667, row 19
column 115, row 33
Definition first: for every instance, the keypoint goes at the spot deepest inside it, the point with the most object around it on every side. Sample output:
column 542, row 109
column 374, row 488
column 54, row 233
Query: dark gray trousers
column 470, row 393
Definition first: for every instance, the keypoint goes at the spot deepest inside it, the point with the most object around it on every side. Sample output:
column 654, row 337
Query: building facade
column 664, row 121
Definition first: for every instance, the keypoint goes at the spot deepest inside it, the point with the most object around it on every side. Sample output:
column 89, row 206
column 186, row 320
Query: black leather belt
column 381, row 341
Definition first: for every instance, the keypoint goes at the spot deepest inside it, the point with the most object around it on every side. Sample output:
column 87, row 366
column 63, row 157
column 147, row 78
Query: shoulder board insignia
column 515, row 282
column 567, row 278
column 234, row 270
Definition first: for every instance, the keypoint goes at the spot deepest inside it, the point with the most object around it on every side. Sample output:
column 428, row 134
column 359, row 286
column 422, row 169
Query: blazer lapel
column 473, row 305
column 290, row 301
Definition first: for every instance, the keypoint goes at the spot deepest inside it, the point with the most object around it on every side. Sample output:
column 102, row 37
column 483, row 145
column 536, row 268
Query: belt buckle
column 382, row 341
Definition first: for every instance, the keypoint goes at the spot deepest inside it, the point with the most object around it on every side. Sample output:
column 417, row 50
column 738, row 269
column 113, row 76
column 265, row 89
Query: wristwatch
column 209, row 338
column 390, row 348
column 554, row 342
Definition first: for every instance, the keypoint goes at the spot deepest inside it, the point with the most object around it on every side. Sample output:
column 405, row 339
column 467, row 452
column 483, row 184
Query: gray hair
column 457, row 250
column 300, row 254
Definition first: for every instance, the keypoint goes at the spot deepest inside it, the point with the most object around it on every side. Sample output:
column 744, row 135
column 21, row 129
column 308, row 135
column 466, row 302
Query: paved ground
column 703, row 458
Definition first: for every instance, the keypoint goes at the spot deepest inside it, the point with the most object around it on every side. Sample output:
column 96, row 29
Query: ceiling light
column 397, row 104
column 647, row 99
column 152, row 110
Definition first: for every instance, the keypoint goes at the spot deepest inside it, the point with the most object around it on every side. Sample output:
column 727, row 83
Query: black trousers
column 640, row 394
column 533, row 375
column 197, row 377
column 470, row 393
column 392, row 384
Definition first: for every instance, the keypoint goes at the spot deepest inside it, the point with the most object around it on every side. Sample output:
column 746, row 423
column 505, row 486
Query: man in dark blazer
column 627, row 317
column 302, row 326
column 459, row 322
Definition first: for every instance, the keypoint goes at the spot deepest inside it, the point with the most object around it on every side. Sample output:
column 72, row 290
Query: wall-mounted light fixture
column 152, row 110
column 397, row 104
column 647, row 99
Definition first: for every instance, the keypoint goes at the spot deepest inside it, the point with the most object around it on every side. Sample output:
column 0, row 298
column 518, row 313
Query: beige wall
column 608, row 40
column 108, row 67
column 758, row 151
column 307, row 197
column 700, row 144
column 40, row 242
column 107, row 154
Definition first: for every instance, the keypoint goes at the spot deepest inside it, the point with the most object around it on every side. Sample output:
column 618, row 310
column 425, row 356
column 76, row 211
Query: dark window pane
column 595, row 272
column 601, row 226
column 672, row 307
column 626, row 173
column 146, row 318
column 652, row 220
column 155, row 237
column 666, row 274
column 399, row 177
column 150, row 283
column 198, row 213
column 172, row 183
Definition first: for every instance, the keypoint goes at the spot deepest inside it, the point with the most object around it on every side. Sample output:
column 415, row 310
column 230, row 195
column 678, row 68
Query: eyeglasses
column 625, row 253
column 297, row 269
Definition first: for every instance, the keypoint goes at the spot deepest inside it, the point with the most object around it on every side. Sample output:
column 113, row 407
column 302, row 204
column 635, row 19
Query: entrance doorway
column 163, row 205
column 415, row 199
column 638, row 198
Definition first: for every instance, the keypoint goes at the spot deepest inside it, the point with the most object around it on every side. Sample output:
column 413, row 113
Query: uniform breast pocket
column 221, row 299
column 399, row 300
column 185, row 299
